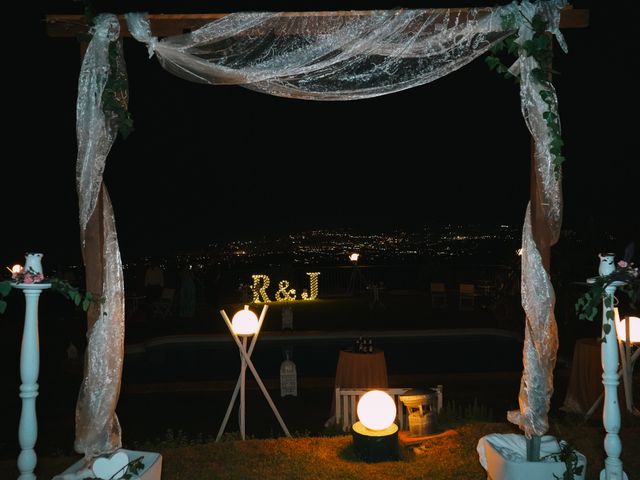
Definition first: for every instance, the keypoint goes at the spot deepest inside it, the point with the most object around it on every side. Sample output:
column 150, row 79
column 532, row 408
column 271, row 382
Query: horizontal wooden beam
column 165, row 25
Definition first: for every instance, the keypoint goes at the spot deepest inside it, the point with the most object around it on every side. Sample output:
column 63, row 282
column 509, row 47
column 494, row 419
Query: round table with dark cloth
column 361, row 370
column 585, row 380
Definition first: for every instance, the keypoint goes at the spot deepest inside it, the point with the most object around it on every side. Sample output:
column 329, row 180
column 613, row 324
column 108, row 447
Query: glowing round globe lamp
column 376, row 410
column 245, row 322
column 634, row 329
column 375, row 436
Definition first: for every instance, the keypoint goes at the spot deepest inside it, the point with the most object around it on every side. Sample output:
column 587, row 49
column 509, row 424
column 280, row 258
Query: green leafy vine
column 569, row 456
column 115, row 94
column 588, row 304
column 538, row 47
column 5, row 289
column 81, row 299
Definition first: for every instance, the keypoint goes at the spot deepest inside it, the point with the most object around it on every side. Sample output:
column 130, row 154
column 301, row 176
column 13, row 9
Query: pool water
column 216, row 357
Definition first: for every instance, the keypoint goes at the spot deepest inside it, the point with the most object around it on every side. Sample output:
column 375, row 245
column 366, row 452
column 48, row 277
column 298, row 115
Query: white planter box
column 152, row 466
column 501, row 468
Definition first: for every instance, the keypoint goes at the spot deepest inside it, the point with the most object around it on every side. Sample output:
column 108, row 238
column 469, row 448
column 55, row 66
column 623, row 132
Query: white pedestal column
column 29, row 369
column 610, row 379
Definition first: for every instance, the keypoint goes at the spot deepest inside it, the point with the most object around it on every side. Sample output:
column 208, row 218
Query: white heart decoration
column 110, row 468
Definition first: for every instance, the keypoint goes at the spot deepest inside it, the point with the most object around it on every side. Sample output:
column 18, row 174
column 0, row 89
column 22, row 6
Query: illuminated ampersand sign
column 283, row 294
column 259, row 288
column 313, row 283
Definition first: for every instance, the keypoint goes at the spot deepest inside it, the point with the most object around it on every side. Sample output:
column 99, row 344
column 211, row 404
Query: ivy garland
column 115, row 94
column 569, row 456
column 81, row 299
column 588, row 304
column 538, row 47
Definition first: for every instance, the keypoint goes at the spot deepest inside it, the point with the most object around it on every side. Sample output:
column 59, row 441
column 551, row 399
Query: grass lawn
column 451, row 456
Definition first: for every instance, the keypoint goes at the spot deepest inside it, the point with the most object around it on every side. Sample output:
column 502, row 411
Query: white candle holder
column 610, row 377
column 29, row 370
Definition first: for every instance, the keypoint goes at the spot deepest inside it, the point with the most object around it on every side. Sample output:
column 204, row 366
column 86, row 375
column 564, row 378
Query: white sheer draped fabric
column 333, row 56
column 95, row 132
column 97, row 426
column 328, row 56
column 538, row 298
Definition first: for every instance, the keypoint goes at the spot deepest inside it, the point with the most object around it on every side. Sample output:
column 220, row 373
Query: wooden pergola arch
column 164, row 25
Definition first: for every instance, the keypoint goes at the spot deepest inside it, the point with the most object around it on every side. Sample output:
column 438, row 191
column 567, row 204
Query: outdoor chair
column 347, row 400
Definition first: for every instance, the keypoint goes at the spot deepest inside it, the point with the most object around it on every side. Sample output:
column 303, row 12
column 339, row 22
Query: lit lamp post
column 356, row 276
column 375, row 436
column 245, row 324
column 628, row 332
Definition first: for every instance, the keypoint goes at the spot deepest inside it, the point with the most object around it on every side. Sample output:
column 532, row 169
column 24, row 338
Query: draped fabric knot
column 106, row 27
column 524, row 12
column 140, row 28
column 551, row 11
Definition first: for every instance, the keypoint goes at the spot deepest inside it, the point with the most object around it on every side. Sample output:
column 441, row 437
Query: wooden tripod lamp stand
column 245, row 324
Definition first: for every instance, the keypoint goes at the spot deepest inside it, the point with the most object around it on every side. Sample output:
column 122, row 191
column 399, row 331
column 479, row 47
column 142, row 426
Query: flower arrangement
column 29, row 276
column 18, row 275
column 624, row 272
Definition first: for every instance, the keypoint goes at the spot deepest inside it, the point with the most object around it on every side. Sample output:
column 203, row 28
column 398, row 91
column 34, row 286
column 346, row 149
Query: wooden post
column 166, row 25
column 243, row 374
column 92, row 242
column 92, row 250
column 539, row 227
column 541, row 233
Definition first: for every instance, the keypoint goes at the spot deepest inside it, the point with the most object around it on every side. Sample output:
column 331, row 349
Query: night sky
column 196, row 167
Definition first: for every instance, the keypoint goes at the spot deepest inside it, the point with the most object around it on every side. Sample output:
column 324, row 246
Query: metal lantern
column 288, row 378
column 287, row 317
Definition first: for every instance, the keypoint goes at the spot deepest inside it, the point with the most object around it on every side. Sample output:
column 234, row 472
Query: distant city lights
column 330, row 246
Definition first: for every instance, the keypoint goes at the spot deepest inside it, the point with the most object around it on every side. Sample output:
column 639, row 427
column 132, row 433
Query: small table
column 359, row 370
column 585, row 380
column 367, row 370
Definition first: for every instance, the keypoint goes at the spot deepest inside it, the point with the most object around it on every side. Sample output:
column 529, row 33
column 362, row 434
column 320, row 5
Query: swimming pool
column 184, row 358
